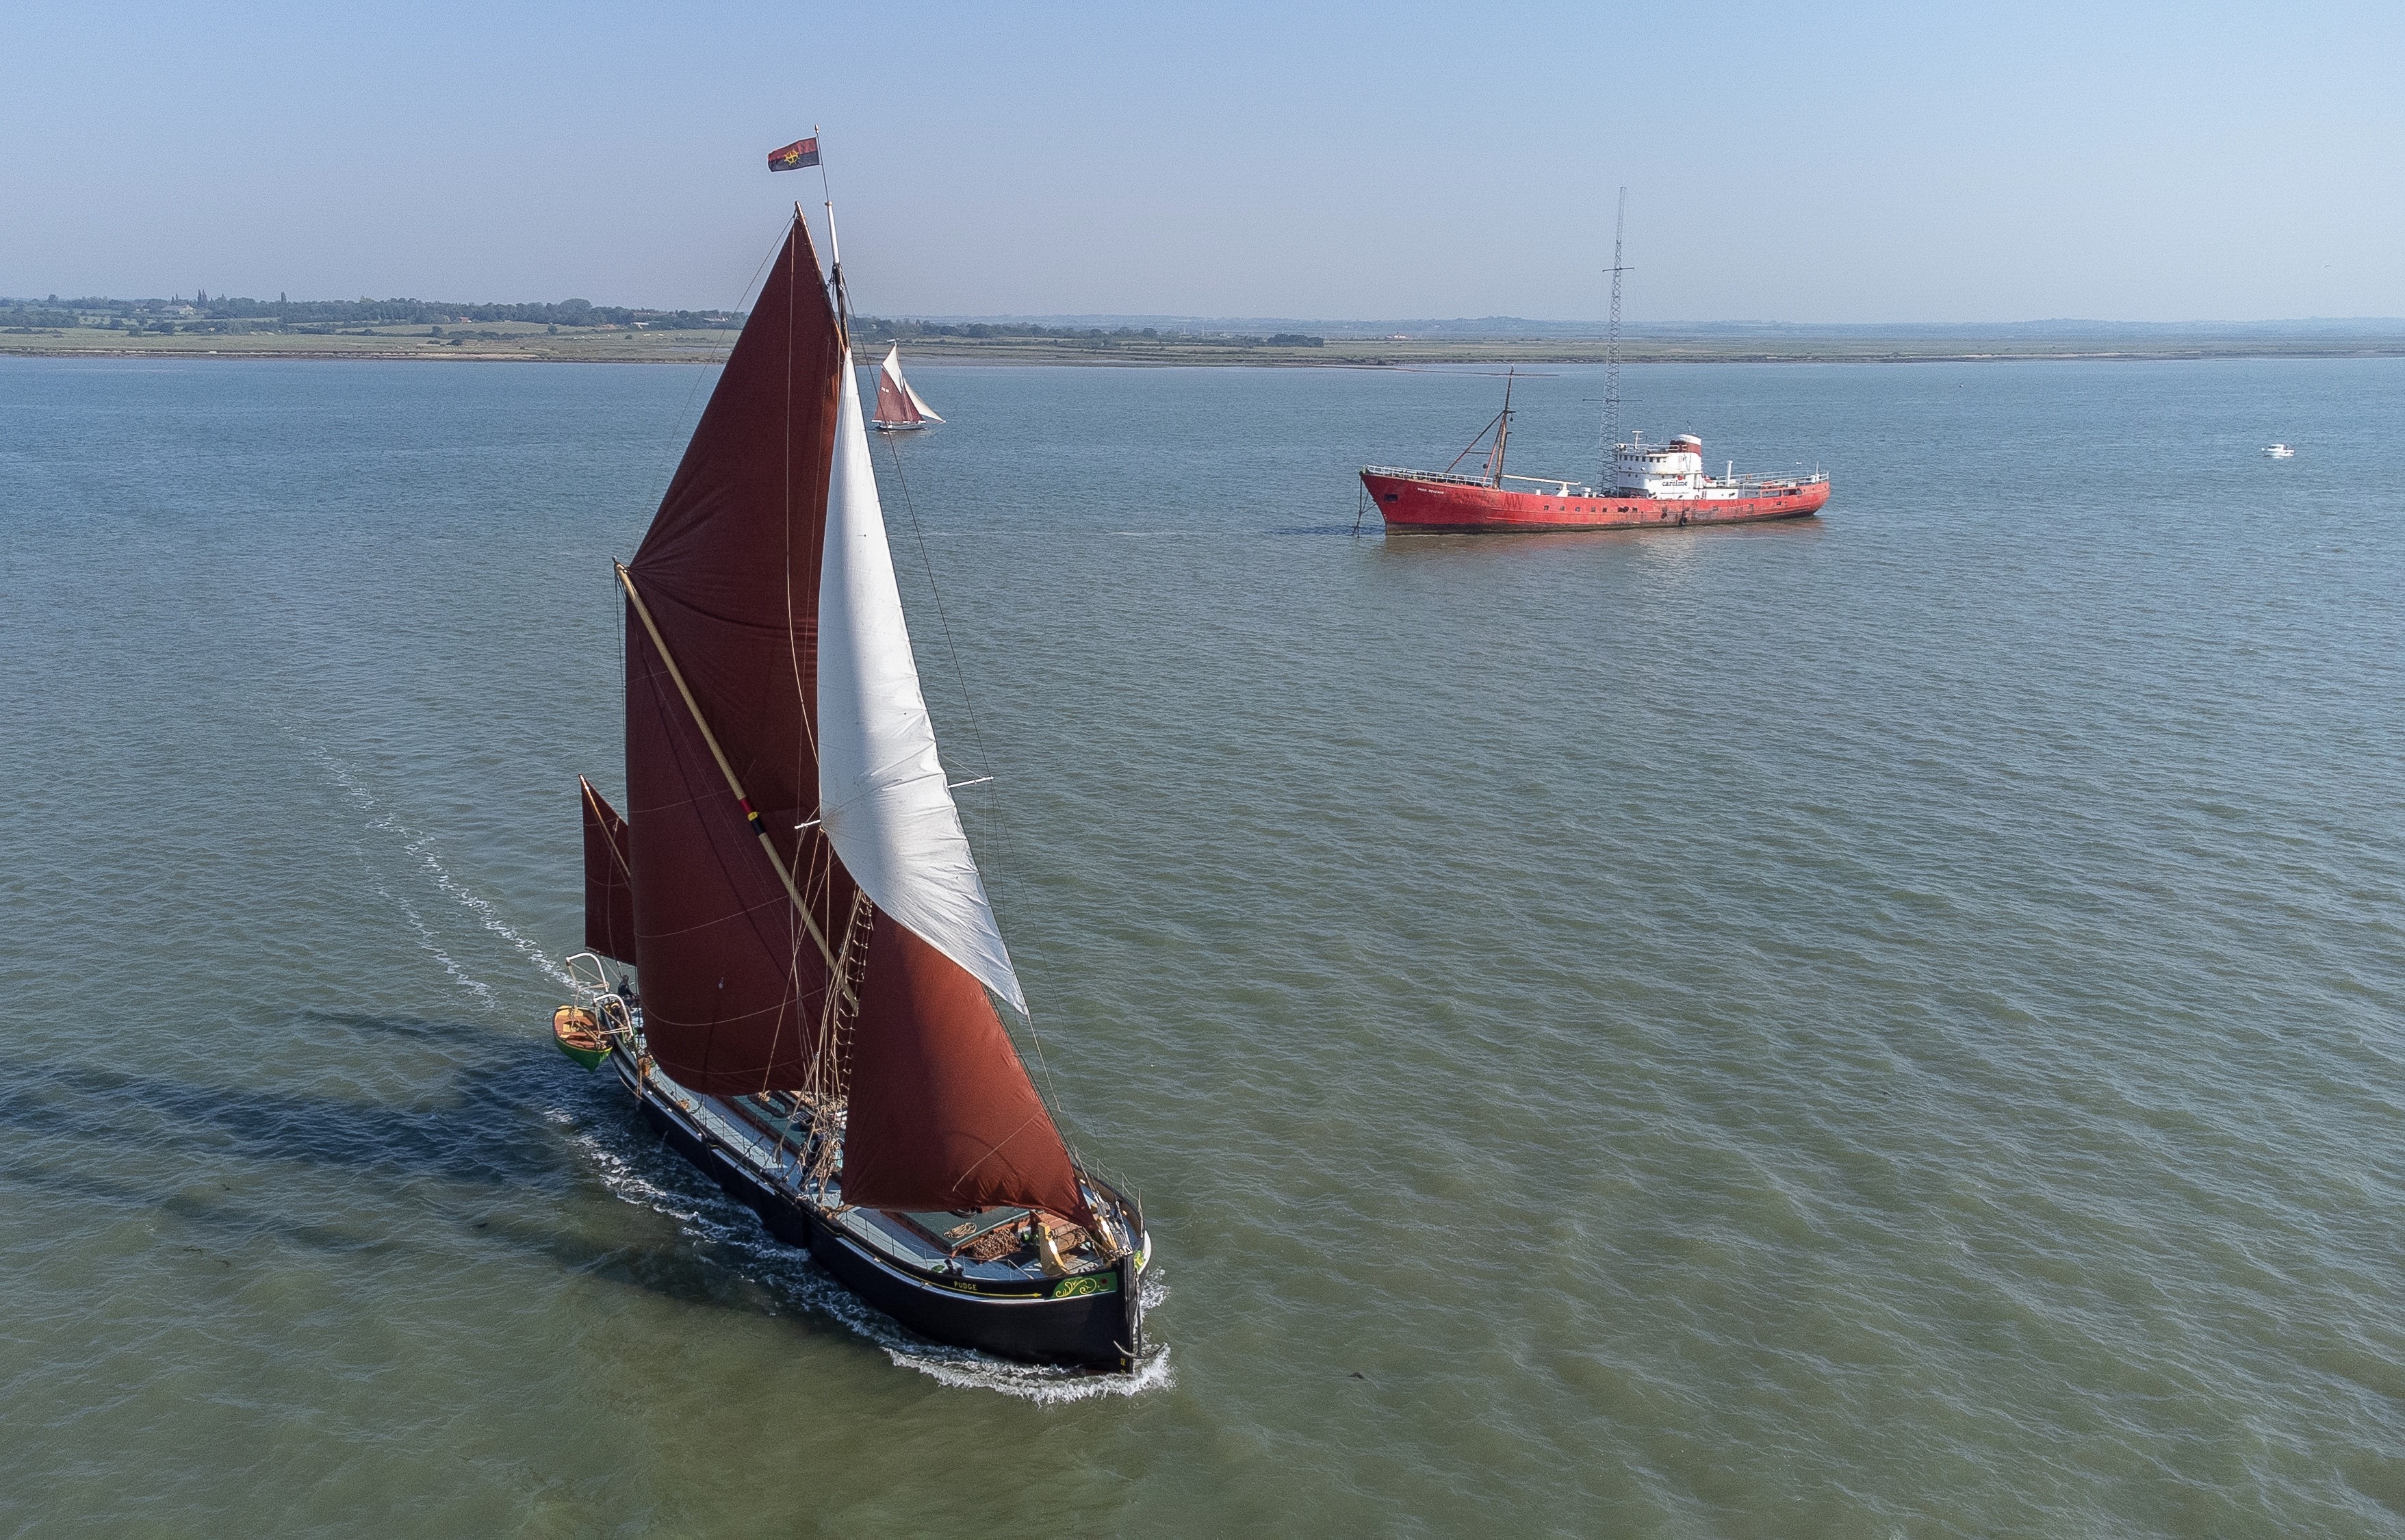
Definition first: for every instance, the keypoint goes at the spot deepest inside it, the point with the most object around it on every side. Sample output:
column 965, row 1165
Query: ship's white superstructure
column 1671, row 471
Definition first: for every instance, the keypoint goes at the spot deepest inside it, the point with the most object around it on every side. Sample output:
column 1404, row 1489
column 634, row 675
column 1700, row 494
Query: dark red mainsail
column 733, row 983
column 608, row 882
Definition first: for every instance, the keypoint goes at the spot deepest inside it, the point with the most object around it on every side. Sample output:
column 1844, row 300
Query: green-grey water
column 1881, row 1027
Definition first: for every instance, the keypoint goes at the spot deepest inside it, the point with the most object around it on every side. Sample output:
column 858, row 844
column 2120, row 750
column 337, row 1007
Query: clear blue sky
column 1837, row 162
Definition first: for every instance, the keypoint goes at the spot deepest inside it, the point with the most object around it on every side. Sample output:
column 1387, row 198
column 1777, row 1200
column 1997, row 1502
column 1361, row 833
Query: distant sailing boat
column 819, row 965
column 898, row 407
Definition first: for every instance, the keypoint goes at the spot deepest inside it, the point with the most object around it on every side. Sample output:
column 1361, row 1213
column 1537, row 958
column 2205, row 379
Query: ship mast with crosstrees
column 1612, row 350
column 1637, row 485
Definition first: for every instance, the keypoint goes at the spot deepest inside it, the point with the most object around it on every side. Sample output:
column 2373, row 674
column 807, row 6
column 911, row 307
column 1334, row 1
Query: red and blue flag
column 794, row 157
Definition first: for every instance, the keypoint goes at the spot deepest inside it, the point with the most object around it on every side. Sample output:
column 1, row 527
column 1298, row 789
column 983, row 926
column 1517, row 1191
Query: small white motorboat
column 2279, row 452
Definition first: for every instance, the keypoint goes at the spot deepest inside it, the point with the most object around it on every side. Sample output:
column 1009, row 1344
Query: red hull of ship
column 1409, row 504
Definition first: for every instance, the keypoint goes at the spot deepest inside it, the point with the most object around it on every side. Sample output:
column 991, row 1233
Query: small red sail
column 893, row 404
column 943, row 1115
column 733, row 983
column 609, row 883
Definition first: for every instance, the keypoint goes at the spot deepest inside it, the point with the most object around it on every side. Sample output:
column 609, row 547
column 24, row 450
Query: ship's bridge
column 1672, row 470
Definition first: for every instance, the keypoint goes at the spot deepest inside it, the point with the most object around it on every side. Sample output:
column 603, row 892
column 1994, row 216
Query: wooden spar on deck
column 643, row 612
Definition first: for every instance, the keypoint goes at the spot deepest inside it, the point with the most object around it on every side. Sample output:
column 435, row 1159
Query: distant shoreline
column 1336, row 353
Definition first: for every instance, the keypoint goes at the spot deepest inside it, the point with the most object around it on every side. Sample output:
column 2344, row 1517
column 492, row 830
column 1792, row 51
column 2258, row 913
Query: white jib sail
column 882, row 798
column 893, row 369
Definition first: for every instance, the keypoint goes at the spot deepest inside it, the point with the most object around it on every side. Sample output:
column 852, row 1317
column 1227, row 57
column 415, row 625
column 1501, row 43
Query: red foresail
column 609, row 883
column 942, row 1113
column 733, row 983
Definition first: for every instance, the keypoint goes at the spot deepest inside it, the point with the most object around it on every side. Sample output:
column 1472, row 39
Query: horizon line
column 1156, row 318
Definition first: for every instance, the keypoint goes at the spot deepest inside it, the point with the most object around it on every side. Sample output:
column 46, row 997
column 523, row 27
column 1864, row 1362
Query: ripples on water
column 1881, row 1027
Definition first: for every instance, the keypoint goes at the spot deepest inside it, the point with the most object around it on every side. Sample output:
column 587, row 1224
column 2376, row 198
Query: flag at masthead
column 794, row 157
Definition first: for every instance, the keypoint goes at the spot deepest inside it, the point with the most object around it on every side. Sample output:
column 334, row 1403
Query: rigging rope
column 1007, row 850
column 1002, row 825
column 976, row 730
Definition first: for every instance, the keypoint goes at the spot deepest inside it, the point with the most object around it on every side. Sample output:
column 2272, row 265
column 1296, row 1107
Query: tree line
column 203, row 308
column 207, row 312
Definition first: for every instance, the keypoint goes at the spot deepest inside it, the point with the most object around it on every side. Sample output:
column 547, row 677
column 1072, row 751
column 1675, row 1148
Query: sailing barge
column 899, row 408
column 817, row 963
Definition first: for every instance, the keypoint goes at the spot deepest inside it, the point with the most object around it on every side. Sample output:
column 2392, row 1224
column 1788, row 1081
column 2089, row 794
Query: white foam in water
column 622, row 1178
column 717, row 1220
column 473, row 985
column 966, row 1369
column 420, row 845
column 359, row 795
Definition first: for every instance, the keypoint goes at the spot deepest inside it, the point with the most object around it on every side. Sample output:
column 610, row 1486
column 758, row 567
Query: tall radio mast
column 1604, row 481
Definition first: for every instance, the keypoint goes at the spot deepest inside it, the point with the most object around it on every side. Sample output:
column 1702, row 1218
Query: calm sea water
column 1882, row 1027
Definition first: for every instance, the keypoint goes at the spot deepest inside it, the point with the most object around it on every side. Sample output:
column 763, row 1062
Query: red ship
column 1655, row 486
column 1646, row 486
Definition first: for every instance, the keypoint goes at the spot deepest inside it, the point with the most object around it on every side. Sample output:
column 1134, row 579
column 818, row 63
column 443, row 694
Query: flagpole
column 835, row 247
column 824, row 185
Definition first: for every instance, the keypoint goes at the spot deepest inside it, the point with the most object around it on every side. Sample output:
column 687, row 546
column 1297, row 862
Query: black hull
column 1096, row 1330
